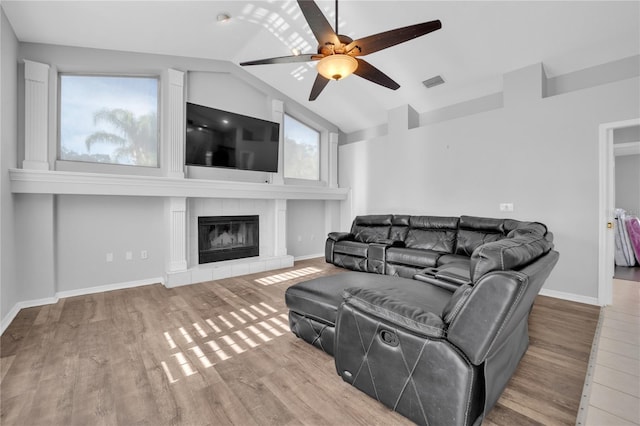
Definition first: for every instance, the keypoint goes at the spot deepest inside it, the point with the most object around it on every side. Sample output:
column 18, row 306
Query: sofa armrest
column 499, row 301
column 508, row 254
column 340, row 236
column 381, row 304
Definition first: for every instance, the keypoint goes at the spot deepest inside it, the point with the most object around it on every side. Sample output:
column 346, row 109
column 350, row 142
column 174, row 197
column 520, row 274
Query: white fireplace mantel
column 26, row 181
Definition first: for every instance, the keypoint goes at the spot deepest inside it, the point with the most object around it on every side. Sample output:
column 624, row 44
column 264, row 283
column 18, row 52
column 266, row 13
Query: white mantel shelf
column 25, row 181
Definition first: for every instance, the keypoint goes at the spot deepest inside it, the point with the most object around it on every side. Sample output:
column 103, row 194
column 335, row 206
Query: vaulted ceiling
column 478, row 43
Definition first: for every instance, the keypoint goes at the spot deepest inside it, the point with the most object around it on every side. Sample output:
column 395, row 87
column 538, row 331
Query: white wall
column 306, row 228
column 9, row 288
column 539, row 153
column 89, row 227
column 628, row 183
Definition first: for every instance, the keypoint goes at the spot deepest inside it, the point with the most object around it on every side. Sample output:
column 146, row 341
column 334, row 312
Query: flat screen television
column 217, row 138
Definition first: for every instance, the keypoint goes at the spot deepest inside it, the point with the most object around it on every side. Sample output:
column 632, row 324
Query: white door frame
column 606, row 199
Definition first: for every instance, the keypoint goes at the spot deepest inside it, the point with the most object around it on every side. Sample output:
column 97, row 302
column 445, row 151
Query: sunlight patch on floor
column 204, row 344
column 286, row 276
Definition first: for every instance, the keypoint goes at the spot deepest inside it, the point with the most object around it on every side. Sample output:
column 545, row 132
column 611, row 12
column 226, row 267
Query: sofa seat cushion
column 352, row 248
column 320, row 298
column 414, row 257
column 447, row 259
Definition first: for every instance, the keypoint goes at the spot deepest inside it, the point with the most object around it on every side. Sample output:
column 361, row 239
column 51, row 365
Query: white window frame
column 89, row 166
column 323, row 155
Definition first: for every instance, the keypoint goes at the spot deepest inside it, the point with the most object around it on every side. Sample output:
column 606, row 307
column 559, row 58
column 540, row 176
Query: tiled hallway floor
column 614, row 382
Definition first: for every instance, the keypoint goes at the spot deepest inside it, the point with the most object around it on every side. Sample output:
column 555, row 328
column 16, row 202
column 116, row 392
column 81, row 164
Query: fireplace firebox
column 227, row 237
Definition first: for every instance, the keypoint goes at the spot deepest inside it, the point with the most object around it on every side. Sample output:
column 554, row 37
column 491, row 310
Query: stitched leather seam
column 410, row 379
column 366, row 355
column 318, row 334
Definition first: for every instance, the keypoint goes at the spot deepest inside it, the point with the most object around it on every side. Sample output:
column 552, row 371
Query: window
column 109, row 119
column 301, row 150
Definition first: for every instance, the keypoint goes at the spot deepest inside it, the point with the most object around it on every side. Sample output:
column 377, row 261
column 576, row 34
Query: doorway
column 607, row 207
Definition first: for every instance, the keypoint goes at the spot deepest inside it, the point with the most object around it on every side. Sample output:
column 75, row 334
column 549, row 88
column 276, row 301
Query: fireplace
column 227, row 237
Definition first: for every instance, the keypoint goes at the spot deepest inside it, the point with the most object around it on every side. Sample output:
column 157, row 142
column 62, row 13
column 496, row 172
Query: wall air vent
column 433, row 82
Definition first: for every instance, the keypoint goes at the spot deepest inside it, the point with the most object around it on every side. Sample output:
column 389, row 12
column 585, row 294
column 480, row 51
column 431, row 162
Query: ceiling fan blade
column 373, row 74
column 318, row 23
column 376, row 42
column 318, row 85
column 281, row 60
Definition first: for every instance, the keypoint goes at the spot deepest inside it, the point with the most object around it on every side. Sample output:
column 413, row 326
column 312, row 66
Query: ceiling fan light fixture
column 337, row 67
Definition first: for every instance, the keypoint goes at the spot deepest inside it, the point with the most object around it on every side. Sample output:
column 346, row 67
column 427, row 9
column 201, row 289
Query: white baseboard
column 71, row 293
column 308, row 256
column 570, row 297
column 109, row 287
column 11, row 315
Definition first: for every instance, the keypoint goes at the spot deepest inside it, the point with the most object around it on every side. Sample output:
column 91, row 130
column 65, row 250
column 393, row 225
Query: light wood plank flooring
column 220, row 353
column 613, row 384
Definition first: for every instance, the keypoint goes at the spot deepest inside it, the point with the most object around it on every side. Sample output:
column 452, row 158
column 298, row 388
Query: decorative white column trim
column 175, row 124
column 177, row 234
column 277, row 115
column 280, row 240
column 333, row 160
column 36, row 103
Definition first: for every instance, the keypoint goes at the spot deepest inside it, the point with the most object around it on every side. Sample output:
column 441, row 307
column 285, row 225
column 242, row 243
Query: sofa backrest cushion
column 399, row 227
column 432, row 232
column 476, row 231
column 508, row 254
column 516, row 227
column 371, row 228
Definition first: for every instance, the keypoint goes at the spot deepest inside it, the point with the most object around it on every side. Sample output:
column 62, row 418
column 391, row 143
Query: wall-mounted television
column 217, row 138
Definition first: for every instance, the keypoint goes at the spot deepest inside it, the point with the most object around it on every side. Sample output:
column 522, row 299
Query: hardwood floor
column 221, row 353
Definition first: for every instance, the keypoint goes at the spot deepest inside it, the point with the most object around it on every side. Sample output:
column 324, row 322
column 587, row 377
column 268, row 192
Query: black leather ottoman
column 313, row 304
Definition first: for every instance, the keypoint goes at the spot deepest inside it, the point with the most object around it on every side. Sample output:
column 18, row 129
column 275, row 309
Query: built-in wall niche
column 227, row 238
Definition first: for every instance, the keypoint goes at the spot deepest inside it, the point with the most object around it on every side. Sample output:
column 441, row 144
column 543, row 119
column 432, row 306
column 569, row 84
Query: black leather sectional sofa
column 433, row 319
column 405, row 245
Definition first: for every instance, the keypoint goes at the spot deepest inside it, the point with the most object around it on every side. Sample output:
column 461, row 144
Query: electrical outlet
column 109, row 257
column 144, row 254
column 129, row 255
column 506, row 207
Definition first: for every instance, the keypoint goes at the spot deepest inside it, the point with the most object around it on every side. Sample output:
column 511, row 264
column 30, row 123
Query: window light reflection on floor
column 286, row 276
column 232, row 333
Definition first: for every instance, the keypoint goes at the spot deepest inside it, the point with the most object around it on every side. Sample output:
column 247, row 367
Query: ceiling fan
column 338, row 55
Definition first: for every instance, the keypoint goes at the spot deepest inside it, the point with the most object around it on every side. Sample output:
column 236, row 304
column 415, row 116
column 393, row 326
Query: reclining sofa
column 433, row 319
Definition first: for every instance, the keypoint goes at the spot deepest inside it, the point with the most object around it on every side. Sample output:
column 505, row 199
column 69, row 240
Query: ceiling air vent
column 433, row 82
